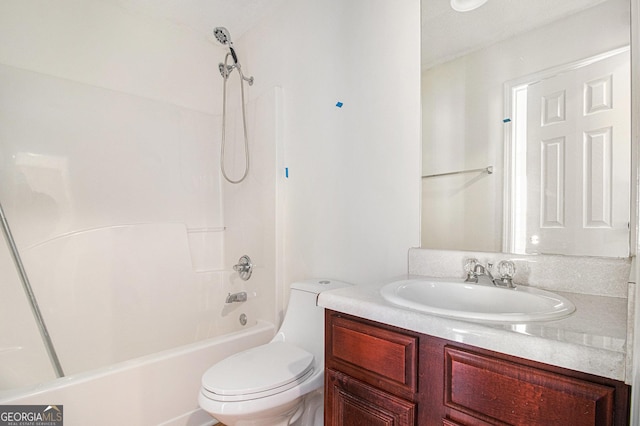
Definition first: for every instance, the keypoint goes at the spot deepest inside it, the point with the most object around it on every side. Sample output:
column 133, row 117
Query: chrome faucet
column 481, row 274
column 244, row 267
column 236, row 297
column 477, row 273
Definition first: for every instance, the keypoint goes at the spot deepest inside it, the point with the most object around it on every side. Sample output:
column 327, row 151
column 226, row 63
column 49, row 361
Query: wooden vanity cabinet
column 378, row 374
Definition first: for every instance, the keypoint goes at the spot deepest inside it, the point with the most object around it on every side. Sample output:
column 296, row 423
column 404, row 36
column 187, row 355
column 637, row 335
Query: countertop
column 591, row 340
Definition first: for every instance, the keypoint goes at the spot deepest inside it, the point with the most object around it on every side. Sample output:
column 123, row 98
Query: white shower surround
column 127, row 251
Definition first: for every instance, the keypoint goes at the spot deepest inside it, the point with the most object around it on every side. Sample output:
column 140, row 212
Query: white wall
column 463, row 129
column 351, row 202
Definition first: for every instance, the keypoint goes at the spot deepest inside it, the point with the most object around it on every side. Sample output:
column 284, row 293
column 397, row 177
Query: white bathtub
column 158, row 389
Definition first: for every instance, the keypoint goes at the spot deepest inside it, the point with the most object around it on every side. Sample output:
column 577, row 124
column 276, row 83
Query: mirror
column 505, row 92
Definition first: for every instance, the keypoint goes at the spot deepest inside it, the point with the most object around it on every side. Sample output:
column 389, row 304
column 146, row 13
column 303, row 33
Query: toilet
column 281, row 382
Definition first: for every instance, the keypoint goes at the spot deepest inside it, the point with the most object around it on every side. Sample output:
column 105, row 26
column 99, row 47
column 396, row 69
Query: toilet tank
column 303, row 323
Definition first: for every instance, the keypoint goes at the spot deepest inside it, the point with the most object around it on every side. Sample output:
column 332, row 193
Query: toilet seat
column 258, row 372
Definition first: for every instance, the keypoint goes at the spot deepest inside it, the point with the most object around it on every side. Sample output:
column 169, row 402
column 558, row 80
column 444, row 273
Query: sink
column 457, row 299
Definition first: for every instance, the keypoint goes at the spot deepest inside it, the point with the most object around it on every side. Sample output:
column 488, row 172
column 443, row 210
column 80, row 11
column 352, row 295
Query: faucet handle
column 470, row 267
column 470, row 264
column 244, row 267
column 506, row 270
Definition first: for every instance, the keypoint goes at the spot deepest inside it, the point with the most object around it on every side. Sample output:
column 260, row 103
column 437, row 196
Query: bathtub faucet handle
column 244, row 267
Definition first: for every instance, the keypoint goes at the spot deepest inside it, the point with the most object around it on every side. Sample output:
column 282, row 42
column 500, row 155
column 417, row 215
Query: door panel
column 578, row 160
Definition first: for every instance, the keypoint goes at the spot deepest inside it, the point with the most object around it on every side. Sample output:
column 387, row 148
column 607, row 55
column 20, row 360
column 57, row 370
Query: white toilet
column 280, row 383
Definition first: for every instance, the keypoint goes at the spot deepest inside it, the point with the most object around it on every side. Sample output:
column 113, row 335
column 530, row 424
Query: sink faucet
column 237, row 297
column 482, row 275
column 477, row 273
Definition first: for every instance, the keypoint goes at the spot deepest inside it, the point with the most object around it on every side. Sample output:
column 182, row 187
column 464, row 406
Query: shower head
column 224, row 38
column 222, row 35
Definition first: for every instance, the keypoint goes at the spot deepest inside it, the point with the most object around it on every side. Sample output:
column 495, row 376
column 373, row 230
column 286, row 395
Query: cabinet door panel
column 375, row 355
column 500, row 391
column 350, row 402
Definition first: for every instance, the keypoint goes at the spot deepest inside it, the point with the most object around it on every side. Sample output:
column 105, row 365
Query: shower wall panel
column 78, row 157
column 23, row 358
column 251, row 208
column 104, row 192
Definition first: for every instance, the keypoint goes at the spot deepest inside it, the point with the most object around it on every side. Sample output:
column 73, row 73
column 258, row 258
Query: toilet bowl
column 279, row 383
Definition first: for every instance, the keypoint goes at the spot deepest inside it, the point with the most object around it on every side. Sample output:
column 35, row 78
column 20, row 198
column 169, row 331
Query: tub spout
column 237, row 297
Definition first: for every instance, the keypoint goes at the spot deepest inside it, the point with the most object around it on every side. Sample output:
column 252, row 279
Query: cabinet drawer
column 373, row 354
column 504, row 392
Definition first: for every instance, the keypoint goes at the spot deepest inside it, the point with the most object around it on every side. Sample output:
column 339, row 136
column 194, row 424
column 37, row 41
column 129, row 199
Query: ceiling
column 202, row 16
column 446, row 34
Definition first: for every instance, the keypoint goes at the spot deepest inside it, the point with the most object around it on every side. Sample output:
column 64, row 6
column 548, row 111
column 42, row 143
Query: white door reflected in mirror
column 571, row 162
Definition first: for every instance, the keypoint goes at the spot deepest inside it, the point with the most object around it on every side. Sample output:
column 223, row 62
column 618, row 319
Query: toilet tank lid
column 318, row 285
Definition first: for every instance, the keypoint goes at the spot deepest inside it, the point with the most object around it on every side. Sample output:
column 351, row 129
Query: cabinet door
column 381, row 357
column 501, row 392
column 350, row 402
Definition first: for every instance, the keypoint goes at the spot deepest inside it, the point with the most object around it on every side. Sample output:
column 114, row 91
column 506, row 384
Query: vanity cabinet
column 378, row 374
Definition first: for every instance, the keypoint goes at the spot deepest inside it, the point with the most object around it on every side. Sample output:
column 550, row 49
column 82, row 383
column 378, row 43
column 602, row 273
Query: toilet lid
column 252, row 373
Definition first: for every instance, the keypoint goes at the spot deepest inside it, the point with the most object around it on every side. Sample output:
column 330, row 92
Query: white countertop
column 591, row 340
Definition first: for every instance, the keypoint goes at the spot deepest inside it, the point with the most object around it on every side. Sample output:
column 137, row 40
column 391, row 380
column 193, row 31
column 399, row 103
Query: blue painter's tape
column 506, row 120
column 286, row 172
column 339, row 104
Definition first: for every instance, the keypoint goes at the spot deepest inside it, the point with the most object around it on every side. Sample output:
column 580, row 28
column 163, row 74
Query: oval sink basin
column 470, row 301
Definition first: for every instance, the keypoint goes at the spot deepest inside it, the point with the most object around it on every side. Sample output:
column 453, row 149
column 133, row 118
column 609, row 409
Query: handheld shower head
column 222, row 35
column 224, row 38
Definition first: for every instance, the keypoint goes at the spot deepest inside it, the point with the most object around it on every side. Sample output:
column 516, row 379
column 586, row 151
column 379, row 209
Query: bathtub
column 158, row 389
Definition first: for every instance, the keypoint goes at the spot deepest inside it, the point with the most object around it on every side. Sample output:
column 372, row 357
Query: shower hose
column 224, row 119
